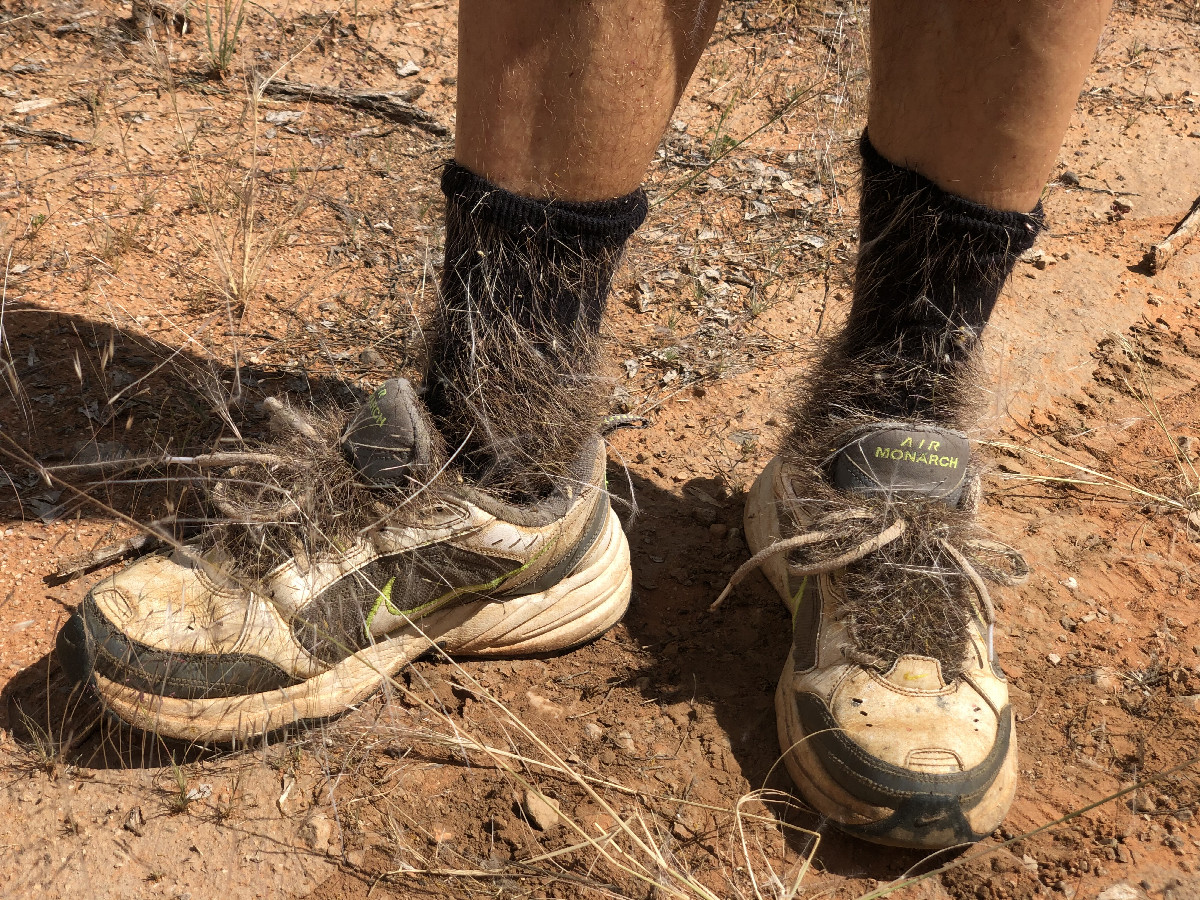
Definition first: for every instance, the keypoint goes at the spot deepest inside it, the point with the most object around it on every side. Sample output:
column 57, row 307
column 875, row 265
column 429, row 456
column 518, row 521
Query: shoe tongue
column 904, row 461
column 387, row 440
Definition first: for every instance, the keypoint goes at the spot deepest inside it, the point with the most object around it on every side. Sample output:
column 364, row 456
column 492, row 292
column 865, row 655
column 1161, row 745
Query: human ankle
column 930, row 269
column 511, row 379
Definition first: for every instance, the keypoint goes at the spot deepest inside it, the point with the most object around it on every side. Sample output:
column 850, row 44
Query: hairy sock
column 930, row 268
column 511, row 379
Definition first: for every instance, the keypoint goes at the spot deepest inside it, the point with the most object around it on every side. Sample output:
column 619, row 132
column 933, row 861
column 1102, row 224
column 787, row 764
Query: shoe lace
column 826, row 530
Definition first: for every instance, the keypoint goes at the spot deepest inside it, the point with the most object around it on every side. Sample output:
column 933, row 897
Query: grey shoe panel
column 548, row 509
column 388, row 440
column 92, row 641
column 567, row 564
column 806, row 625
column 882, row 784
column 336, row 623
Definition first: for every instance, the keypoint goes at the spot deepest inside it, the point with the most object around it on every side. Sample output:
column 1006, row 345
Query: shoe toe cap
column 928, row 790
column 91, row 643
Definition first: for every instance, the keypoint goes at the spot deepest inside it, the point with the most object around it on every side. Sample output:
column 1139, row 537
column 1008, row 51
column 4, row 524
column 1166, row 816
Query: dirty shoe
column 900, row 732
column 180, row 644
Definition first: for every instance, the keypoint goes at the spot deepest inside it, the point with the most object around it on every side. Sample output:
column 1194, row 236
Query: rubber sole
column 574, row 611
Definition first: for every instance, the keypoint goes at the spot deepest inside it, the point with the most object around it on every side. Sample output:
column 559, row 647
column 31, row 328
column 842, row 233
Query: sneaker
column 895, row 745
column 178, row 644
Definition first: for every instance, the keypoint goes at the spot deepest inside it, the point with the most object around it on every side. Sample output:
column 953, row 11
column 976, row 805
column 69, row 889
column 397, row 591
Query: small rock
column 28, row 106
column 1054, row 659
column 624, row 741
column 592, row 731
column 1067, row 623
column 1119, row 891
column 370, row 357
column 705, row 515
column 593, row 820
column 1069, row 177
column 407, row 68
column 1189, row 701
column 283, row 117
column 541, row 812
column 317, row 833
column 540, row 704
column 1069, row 583
column 1106, row 679
column 1122, row 206
column 1029, row 864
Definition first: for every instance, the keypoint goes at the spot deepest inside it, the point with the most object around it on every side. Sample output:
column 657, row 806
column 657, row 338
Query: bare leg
column 568, row 100
column 976, row 96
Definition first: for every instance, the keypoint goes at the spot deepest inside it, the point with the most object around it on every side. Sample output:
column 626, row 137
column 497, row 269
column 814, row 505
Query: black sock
column 512, row 368
column 930, row 268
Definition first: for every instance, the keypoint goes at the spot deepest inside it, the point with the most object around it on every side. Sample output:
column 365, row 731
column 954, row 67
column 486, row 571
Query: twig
column 284, row 418
column 387, row 105
column 201, row 461
column 72, row 568
column 299, row 169
column 50, row 137
column 1179, row 238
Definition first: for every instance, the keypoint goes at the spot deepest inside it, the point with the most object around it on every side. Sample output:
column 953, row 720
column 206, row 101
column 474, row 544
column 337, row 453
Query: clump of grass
column 223, row 22
column 178, row 796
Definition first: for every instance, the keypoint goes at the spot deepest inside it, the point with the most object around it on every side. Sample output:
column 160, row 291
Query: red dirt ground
column 113, row 250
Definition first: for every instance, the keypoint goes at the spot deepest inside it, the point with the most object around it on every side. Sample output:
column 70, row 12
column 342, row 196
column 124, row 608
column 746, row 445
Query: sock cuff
column 1012, row 231
column 597, row 223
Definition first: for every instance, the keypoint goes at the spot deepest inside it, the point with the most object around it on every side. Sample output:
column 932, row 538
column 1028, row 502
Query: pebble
column 1189, row 701
column 1106, row 679
column 541, row 812
column 1054, row 659
column 1119, row 891
column 371, row 357
column 592, row 731
column 317, row 832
